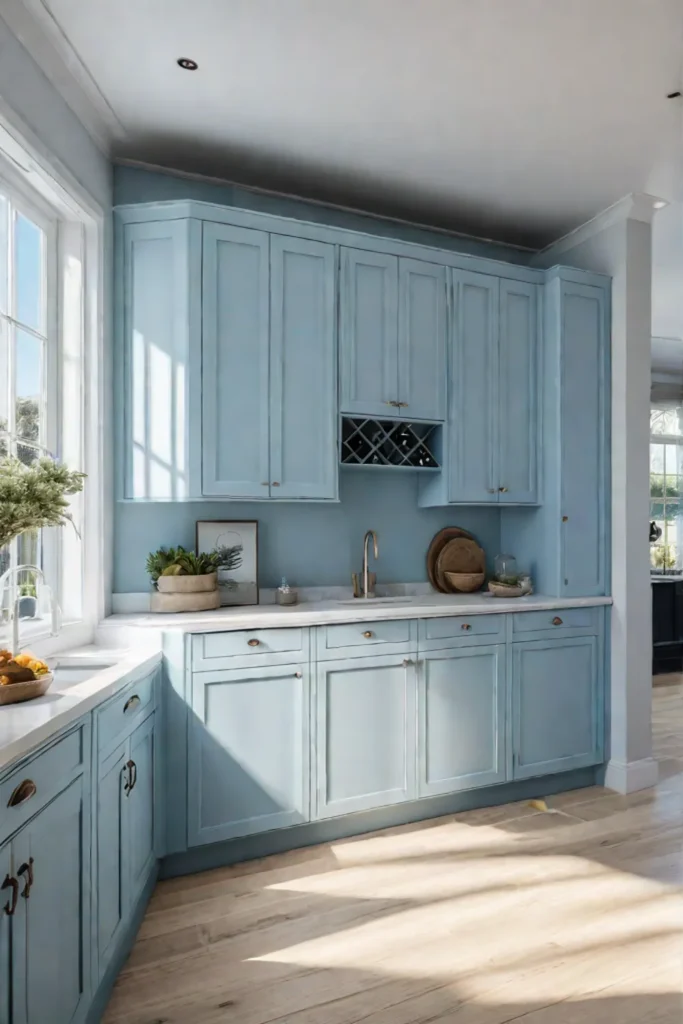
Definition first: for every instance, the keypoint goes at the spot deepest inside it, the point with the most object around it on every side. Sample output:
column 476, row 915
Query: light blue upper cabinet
column 248, row 755
column 235, row 351
column 461, row 719
column 567, row 547
column 518, row 393
column 157, row 305
column 368, row 317
column 584, row 459
column 422, row 330
column 556, row 706
column 303, row 369
column 472, row 443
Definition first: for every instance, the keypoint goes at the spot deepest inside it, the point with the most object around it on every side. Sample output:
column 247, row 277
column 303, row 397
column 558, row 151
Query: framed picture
column 229, row 533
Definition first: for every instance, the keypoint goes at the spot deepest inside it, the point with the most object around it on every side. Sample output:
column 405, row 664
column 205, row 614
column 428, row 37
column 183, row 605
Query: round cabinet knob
column 254, row 642
column 368, row 634
column 466, row 625
column 503, row 490
column 557, row 621
column 275, row 483
column 298, row 674
column 407, row 662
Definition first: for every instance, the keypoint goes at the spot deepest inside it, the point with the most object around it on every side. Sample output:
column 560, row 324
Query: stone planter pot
column 186, row 594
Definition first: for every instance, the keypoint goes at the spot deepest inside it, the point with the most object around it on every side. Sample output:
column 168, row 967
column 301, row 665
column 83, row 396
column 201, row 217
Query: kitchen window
column 50, row 359
column 666, row 487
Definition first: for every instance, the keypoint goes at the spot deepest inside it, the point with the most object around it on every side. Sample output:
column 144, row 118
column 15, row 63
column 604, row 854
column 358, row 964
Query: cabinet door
column 235, row 362
column 422, row 339
column 112, row 861
column 304, row 459
column 50, row 968
column 158, row 268
column 556, row 706
column 140, row 807
column 517, row 393
column 5, row 923
column 473, row 448
column 248, row 752
column 461, row 719
column 583, row 459
column 368, row 316
column 365, row 734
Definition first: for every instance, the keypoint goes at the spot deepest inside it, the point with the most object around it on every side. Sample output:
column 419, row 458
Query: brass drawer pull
column 11, row 883
column 253, row 642
column 368, row 634
column 466, row 625
column 24, row 791
column 27, row 869
column 131, row 703
column 557, row 621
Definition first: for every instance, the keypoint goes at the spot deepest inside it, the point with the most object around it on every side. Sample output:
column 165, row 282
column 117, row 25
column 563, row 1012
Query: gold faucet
column 368, row 591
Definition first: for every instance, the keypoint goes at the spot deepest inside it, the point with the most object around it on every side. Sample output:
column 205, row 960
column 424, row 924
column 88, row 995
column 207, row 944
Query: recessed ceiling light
column 659, row 204
column 186, row 64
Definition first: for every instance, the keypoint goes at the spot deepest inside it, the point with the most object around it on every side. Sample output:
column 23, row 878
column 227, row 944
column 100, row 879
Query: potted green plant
column 186, row 582
column 34, row 496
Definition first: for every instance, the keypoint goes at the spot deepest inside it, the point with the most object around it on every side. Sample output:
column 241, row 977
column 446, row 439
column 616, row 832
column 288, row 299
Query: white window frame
column 677, row 440
column 76, row 227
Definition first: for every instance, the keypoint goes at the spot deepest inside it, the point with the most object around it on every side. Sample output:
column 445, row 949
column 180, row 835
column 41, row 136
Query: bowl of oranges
column 22, row 677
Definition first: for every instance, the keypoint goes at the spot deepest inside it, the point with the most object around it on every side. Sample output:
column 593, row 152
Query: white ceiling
column 512, row 119
column 516, row 119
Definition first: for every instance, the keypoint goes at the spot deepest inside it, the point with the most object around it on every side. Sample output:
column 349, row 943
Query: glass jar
column 505, row 569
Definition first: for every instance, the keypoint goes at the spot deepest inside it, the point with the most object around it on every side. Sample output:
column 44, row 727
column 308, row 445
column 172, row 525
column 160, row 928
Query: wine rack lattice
column 369, row 442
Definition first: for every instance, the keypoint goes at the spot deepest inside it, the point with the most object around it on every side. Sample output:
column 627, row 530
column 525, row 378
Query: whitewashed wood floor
column 573, row 916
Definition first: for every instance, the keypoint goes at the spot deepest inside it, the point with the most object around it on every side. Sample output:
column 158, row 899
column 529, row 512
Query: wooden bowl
column 504, row 589
column 15, row 693
column 465, row 582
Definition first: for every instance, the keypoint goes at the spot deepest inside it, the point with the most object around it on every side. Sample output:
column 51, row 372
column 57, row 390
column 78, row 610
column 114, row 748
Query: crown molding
column 637, row 206
column 38, row 31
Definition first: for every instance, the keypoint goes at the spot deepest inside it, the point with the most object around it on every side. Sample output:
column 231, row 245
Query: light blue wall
column 36, row 102
column 311, row 544
column 136, row 185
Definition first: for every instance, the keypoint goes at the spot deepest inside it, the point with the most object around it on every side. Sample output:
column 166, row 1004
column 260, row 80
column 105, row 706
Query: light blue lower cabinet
column 557, row 707
column 51, row 924
column 248, row 752
column 5, row 896
column 141, row 807
column 111, row 852
column 461, row 719
column 364, row 734
column 126, row 820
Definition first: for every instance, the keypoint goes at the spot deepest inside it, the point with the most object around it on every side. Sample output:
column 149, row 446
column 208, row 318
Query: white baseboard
column 628, row 777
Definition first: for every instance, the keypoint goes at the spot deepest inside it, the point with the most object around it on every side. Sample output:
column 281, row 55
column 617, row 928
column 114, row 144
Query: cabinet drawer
column 556, row 622
column 40, row 778
column 214, row 651
column 460, row 629
column 355, row 639
column 119, row 717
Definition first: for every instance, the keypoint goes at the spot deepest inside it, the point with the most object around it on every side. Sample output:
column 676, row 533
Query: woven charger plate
column 15, row 693
column 461, row 554
column 439, row 541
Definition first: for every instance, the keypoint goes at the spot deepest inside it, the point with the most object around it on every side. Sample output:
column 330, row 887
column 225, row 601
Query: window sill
column 35, row 635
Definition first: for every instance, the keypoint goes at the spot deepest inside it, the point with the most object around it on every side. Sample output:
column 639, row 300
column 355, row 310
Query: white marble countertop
column 23, row 727
column 319, row 613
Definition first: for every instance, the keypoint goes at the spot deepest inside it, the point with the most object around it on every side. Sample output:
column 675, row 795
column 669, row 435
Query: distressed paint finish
column 248, row 752
column 303, row 370
column 365, row 736
column 556, row 706
column 461, row 719
column 235, row 357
